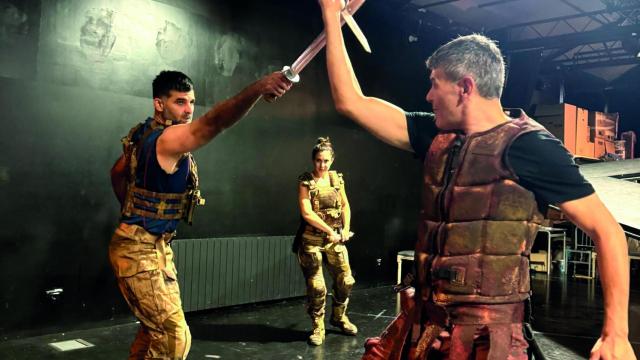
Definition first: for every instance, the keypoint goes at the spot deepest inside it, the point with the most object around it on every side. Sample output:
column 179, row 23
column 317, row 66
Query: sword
column 331, row 244
column 355, row 29
column 292, row 72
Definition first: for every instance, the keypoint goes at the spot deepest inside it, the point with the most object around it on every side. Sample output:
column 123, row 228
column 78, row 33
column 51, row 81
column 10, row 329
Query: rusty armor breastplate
column 478, row 224
column 326, row 200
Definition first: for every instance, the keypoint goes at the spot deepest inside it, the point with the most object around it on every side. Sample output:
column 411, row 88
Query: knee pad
column 317, row 287
column 346, row 280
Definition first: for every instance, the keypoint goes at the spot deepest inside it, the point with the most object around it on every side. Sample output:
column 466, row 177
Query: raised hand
column 274, row 85
column 332, row 5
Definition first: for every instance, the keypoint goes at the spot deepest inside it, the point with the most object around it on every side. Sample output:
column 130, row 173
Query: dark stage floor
column 568, row 316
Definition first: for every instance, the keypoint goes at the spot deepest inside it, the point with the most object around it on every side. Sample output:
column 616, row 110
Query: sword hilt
column 290, row 75
column 320, row 41
column 287, row 71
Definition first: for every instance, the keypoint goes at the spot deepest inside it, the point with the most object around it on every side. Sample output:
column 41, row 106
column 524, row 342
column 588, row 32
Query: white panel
column 71, row 345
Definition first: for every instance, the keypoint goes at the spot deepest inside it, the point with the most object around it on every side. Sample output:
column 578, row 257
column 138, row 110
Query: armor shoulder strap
column 133, row 161
column 337, row 182
column 336, row 179
column 128, row 139
column 129, row 150
column 306, row 179
column 194, row 181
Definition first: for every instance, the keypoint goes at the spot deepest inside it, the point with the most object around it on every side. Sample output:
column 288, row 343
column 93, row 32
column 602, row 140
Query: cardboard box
column 538, row 261
column 559, row 120
column 599, row 149
column 629, row 138
column 620, row 147
column 604, row 125
column 603, row 147
column 584, row 146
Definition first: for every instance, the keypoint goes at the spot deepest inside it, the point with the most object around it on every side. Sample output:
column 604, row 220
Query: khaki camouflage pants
column 143, row 265
column 336, row 258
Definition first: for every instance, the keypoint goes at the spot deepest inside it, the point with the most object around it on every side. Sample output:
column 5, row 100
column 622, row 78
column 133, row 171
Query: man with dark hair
column 156, row 181
column 488, row 174
column 170, row 80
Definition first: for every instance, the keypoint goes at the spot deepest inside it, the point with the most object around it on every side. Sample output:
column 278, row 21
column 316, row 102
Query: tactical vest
column 326, row 201
column 155, row 205
column 478, row 224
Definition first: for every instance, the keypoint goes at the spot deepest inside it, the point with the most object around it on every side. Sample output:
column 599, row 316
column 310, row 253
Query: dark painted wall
column 75, row 76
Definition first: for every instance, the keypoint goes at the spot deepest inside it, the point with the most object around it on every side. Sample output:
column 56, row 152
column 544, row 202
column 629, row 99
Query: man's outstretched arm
column 591, row 215
column 179, row 139
column 384, row 120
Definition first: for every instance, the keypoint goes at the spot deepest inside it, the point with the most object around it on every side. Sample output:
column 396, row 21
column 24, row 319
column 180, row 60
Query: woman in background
column 326, row 219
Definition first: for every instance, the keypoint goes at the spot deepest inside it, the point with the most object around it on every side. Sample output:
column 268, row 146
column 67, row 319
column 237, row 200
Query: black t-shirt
column 543, row 165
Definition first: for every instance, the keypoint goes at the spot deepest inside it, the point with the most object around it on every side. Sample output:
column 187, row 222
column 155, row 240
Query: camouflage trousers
column 146, row 274
column 336, row 258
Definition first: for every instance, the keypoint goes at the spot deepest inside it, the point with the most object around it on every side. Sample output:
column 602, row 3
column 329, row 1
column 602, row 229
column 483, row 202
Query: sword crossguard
column 290, row 75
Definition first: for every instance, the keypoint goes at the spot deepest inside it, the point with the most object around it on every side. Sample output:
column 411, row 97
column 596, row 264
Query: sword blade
column 355, row 29
column 320, row 41
column 309, row 53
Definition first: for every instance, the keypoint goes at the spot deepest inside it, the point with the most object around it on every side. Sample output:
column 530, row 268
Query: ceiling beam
column 399, row 4
column 604, row 61
column 556, row 53
column 572, row 40
column 442, row 2
column 568, row 17
column 582, row 12
column 586, row 55
column 494, row 3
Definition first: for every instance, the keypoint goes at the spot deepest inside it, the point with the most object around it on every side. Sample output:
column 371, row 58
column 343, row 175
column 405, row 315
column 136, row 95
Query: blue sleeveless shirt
column 150, row 176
